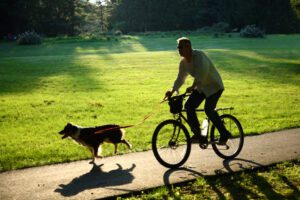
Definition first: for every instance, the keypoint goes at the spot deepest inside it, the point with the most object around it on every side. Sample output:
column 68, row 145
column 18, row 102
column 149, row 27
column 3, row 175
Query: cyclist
column 207, row 85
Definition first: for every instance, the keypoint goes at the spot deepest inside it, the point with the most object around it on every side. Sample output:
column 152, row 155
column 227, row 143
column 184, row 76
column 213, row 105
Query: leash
column 157, row 108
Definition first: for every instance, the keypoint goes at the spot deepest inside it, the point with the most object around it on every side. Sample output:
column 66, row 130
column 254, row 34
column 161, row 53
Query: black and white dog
column 93, row 137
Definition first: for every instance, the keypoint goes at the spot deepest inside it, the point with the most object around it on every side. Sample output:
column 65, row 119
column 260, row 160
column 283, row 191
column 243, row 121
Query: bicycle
column 171, row 142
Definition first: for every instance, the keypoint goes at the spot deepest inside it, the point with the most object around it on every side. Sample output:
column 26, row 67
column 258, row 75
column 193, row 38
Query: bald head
column 184, row 47
column 184, row 41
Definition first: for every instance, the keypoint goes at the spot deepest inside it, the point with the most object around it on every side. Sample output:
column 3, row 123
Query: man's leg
column 191, row 104
column 210, row 105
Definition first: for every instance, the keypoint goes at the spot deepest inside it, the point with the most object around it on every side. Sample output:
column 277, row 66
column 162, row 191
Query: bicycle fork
column 174, row 138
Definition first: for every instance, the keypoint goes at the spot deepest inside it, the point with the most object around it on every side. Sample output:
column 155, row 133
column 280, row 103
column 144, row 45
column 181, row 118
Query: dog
column 93, row 137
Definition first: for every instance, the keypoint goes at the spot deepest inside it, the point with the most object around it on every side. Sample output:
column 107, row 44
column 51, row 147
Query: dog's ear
column 70, row 125
column 74, row 128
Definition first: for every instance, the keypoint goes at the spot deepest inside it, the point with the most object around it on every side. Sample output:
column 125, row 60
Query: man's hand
column 168, row 94
column 189, row 89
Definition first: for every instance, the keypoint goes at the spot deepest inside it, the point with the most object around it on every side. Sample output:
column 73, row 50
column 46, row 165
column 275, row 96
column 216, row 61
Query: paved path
column 139, row 171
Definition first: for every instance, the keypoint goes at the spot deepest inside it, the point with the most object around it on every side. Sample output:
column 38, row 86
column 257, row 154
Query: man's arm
column 182, row 74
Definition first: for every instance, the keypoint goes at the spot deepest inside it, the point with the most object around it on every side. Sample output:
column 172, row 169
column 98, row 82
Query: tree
column 71, row 17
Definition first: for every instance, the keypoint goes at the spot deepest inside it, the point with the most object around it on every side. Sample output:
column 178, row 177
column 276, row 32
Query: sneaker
column 224, row 138
column 195, row 138
column 203, row 140
column 199, row 139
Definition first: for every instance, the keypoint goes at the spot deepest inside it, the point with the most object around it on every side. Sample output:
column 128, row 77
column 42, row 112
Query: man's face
column 182, row 49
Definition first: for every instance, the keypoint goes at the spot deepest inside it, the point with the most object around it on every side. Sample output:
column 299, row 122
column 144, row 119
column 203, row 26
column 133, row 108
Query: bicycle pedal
column 223, row 145
column 203, row 146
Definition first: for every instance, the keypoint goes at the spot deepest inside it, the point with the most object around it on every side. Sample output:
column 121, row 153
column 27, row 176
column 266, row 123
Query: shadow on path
column 241, row 186
column 97, row 178
column 242, row 164
column 169, row 172
column 230, row 186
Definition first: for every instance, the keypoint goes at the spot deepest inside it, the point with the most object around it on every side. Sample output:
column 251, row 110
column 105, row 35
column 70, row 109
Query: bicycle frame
column 181, row 116
column 178, row 135
column 175, row 136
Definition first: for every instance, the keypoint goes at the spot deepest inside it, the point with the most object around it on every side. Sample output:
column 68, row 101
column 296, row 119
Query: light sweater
column 206, row 77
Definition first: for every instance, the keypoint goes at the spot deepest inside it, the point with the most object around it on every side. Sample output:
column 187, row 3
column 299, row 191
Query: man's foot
column 224, row 138
column 195, row 138
column 199, row 139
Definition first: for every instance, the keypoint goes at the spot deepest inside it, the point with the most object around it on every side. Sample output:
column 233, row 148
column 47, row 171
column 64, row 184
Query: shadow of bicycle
column 97, row 178
column 229, row 166
column 238, row 164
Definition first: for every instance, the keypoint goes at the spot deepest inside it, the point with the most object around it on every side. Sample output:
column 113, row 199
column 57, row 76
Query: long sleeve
column 201, row 71
column 182, row 74
column 207, row 78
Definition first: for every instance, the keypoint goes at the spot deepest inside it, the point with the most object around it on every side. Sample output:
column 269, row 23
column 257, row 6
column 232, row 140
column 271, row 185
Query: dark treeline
column 274, row 16
column 50, row 17
column 72, row 17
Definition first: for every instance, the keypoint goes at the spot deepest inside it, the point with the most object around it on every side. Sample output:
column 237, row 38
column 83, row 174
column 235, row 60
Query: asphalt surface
column 117, row 175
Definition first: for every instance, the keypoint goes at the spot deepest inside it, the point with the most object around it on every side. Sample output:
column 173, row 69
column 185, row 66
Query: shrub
column 205, row 30
column 252, row 31
column 221, row 27
column 216, row 30
column 118, row 33
column 29, row 38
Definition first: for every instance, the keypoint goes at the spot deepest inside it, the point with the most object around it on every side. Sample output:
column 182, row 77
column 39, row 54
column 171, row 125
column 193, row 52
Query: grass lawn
column 120, row 81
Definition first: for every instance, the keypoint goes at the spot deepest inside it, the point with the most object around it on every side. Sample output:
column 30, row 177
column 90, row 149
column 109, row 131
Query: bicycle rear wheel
column 234, row 144
column 171, row 144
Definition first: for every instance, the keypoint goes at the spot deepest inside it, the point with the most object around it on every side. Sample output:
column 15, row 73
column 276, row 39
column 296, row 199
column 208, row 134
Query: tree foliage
column 71, row 17
column 274, row 16
column 50, row 17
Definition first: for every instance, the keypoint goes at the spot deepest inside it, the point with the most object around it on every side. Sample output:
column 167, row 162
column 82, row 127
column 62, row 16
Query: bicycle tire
column 169, row 137
column 234, row 144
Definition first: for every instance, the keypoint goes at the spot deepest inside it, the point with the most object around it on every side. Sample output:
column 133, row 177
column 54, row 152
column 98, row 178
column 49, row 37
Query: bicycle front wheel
column 171, row 144
column 234, row 144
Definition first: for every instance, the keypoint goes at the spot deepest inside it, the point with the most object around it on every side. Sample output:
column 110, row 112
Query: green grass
column 97, row 82
column 277, row 182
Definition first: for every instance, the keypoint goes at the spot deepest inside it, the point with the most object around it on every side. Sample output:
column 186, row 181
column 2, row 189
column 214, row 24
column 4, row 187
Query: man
column 207, row 85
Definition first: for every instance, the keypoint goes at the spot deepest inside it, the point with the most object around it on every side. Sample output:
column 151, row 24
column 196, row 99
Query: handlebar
column 177, row 96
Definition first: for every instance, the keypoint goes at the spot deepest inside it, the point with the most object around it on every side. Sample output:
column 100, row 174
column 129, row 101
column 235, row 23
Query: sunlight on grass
column 94, row 83
column 259, row 57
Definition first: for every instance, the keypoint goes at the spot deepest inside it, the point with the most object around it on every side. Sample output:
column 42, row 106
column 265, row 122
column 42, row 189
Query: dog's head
column 69, row 130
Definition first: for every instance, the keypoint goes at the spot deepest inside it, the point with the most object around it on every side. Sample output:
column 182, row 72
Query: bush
column 118, row 33
column 29, row 38
column 252, row 31
column 205, row 30
column 216, row 30
column 221, row 27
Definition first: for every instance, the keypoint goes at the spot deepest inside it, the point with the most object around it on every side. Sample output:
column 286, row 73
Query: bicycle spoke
column 171, row 144
column 234, row 144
